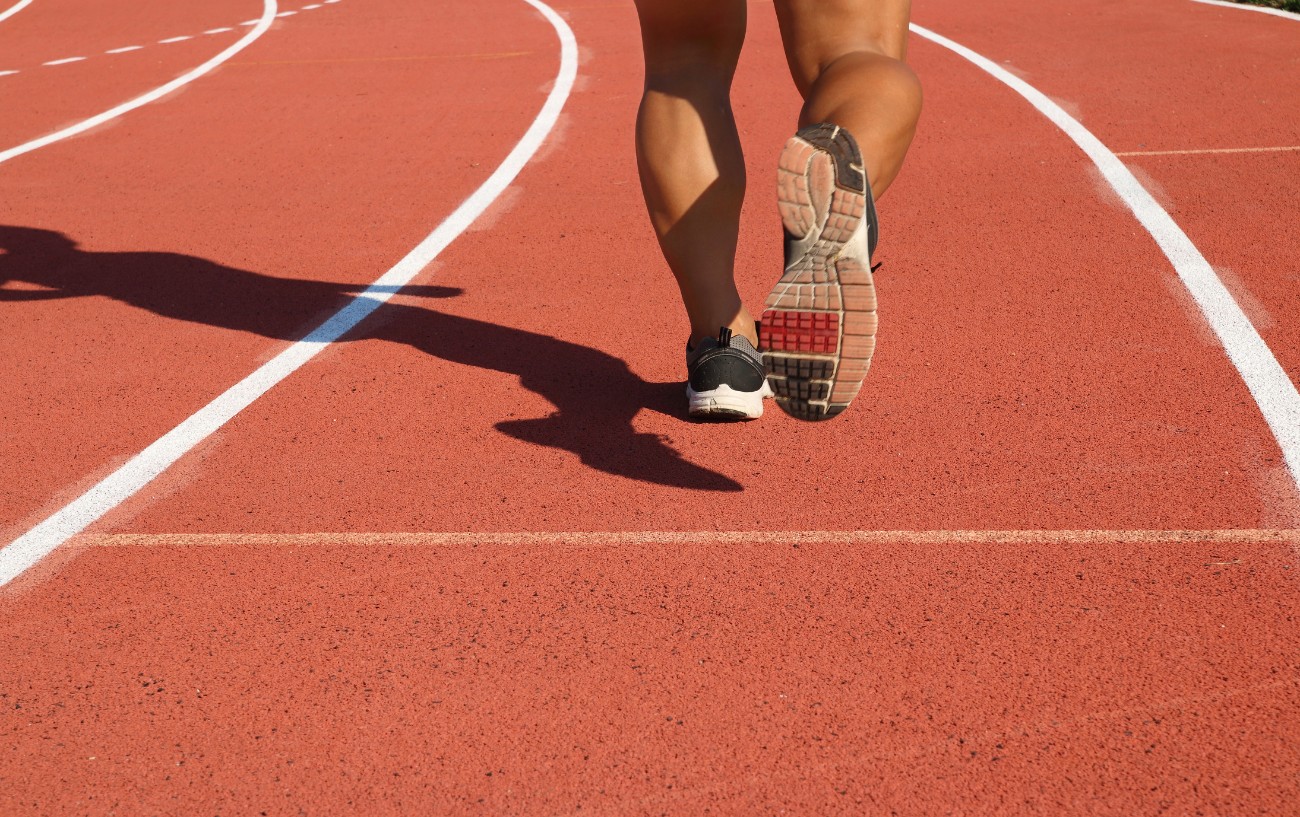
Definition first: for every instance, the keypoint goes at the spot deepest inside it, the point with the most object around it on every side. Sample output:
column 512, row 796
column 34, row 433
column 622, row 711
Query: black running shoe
column 819, row 327
column 727, row 380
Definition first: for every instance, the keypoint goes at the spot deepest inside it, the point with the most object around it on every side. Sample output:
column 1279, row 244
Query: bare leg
column 846, row 57
column 688, row 152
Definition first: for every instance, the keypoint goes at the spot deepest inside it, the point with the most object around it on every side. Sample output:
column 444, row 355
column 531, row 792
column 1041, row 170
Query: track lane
column 1263, row 376
column 659, row 679
column 268, row 193
column 1140, row 53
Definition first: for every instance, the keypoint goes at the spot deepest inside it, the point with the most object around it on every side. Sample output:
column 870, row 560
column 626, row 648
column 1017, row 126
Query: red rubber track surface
column 1038, row 368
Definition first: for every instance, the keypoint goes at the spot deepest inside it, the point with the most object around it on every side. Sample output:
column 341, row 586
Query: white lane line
column 169, row 40
column 114, row 489
column 1250, row 7
column 7, row 73
column 1233, row 536
column 1206, row 151
column 1267, row 381
column 14, row 9
column 268, row 16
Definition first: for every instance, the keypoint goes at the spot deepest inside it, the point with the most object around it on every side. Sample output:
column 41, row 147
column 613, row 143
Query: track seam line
column 764, row 537
column 1291, row 15
column 140, row 470
column 1200, row 151
column 1266, row 380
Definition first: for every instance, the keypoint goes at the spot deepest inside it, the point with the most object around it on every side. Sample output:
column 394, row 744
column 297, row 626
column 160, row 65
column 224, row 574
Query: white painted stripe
column 14, row 9
column 175, row 39
column 286, row 14
column 311, row 7
column 1267, row 381
column 1206, row 151
column 268, row 15
column 1248, row 7
column 114, row 489
column 250, row 22
column 64, row 61
column 729, row 537
column 218, row 30
column 124, row 49
column 7, row 73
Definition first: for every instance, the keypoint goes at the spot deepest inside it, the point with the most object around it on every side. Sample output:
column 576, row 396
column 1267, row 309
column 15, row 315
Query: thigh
column 817, row 32
column 691, row 34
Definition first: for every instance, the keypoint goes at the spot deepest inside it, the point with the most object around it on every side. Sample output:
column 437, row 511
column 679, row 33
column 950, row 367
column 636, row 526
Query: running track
column 471, row 559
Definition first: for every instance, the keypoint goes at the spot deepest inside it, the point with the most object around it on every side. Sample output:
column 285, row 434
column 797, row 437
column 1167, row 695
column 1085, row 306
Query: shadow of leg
column 595, row 394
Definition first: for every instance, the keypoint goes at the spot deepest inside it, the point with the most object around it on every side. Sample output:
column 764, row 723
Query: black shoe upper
column 729, row 359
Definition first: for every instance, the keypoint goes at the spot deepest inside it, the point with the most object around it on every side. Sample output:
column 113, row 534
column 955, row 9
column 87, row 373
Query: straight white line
column 14, row 9
column 286, row 14
column 64, row 61
column 1267, row 381
column 268, row 16
column 1232, row 536
column 114, row 489
column 124, row 49
column 1248, row 7
column 7, row 73
column 312, row 7
column 250, row 22
column 1205, row 151
column 218, row 30
column 176, row 39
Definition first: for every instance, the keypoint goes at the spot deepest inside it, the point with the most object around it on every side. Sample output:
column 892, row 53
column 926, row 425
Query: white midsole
column 728, row 401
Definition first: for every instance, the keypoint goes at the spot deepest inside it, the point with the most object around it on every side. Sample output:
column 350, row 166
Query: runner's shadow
column 595, row 394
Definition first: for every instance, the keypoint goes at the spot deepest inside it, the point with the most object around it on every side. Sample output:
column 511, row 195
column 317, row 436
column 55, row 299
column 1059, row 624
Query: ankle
column 742, row 325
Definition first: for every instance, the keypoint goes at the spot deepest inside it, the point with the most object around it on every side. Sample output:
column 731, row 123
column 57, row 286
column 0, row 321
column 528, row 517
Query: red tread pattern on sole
column 817, row 332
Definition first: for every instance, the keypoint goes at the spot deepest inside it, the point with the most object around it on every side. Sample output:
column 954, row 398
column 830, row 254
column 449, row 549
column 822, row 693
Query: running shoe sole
column 726, row 403
column 819, row 325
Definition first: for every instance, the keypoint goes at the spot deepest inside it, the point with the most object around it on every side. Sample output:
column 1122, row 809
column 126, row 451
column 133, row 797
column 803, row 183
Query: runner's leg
column 846, row 57
column 688, row 152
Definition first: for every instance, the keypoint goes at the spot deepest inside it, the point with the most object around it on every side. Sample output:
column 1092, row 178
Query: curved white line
column 1249, row 7
column 114, row 489
column 14, row 9
column 263, row 23
column 1267, row 381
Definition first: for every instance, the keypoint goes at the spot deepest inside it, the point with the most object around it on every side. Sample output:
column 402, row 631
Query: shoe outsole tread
column 819, row 324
